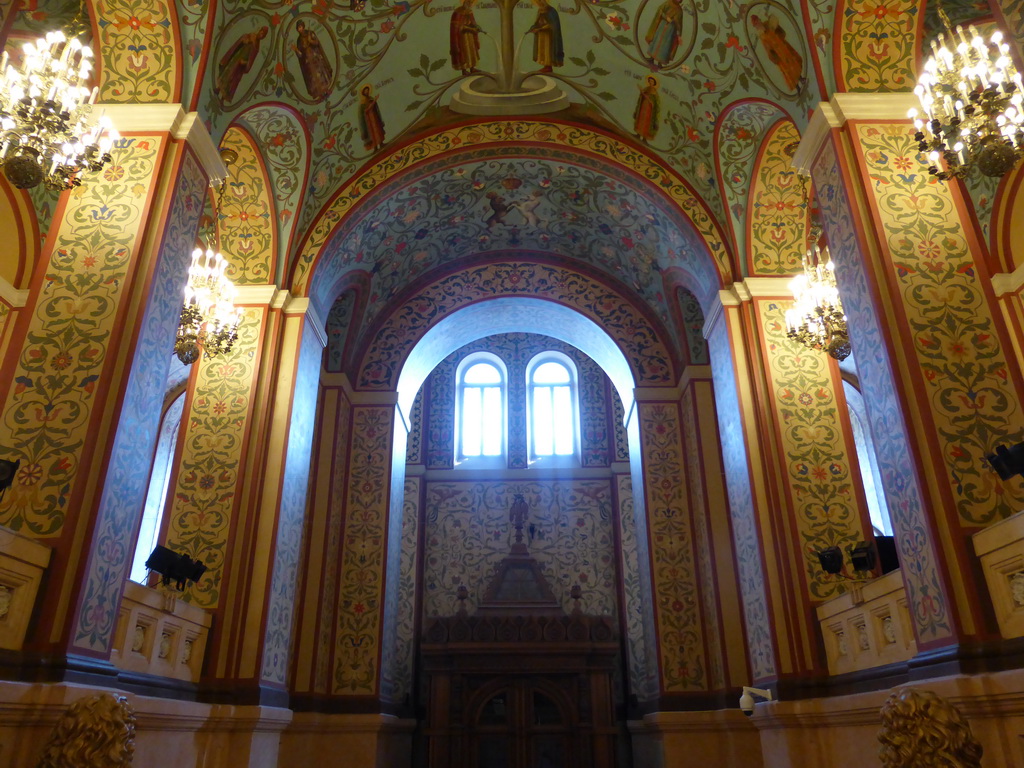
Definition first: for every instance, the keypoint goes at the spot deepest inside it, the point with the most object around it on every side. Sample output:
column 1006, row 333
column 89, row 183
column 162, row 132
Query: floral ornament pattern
column 128, row 470
column 973, row 401
column 467, row 533
column 693, row 328
column 636, row 337
column 815, row 446
column 292, row 511
column 339, row 321
column 926, row 599
column 208, row 478
column 675, row 582
column 194, row 17
column 55, row 385
column 138, row 54
column 741, row 505
column 778, row 208
column 282, row 138
column 702, row 234
column 877, row 41
column 638, row 648
column 361, row 591
column 245, row 217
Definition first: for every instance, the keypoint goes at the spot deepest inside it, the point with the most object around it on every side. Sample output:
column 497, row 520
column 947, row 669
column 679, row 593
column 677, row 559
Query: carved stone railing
column 867, row 627
column 159, row 634
column 1001, row 550
column 519, row 629
column 22, row 562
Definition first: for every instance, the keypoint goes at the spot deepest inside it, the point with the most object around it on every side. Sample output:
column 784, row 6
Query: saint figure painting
column 648, row 108
column 237, row 61
column 317, row 72
column 664, row 33
column 780, row 52
column 547, row 42
column 465, row 38
column 371, row 124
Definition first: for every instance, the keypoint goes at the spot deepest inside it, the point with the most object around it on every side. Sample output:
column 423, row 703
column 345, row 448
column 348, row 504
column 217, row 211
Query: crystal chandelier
column 971, row 94
column 209, row 318
column 816, row 318
column 47, row 135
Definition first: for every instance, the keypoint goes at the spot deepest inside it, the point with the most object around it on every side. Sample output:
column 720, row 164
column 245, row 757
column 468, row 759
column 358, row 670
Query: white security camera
column 750, row 695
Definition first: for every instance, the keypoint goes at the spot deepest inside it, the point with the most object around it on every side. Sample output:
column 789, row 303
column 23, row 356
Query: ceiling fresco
column 363, row 75
column 558, row 204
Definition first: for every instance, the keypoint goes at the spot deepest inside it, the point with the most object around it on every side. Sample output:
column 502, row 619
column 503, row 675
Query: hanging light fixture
column 209, row 318
column 973, row 102
column 47, row 134
column 816, row 318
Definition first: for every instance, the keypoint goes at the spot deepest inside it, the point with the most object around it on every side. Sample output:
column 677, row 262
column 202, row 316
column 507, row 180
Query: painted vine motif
column 926, row 600
column 139, row 51
column 208, row 478
column 693, row 327
column 467, row 533
column 246, row 215
column 973, row 402
column 129, row 468
column 778, row 207
column 49, row 407
column 647, row 356
column 339, row 320
column 877, row 43
column 641, row 681
column 819, row 475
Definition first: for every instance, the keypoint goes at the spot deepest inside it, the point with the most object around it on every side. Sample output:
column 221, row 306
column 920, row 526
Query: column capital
column 1008, row 282
column 11, row 295
column 842, row 108
column 169, row 118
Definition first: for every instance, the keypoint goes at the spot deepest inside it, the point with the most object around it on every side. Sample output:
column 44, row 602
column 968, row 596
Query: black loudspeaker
column 174, row 567
column 1007, row 462
column 8, row 469
column 831, row 560
column 886, row 546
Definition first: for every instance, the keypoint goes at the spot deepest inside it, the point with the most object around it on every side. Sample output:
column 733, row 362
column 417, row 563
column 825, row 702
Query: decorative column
column 941, row 382
column 82, row 382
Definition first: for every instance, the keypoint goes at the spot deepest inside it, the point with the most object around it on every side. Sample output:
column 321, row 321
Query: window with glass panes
column 552, row 408
column 481, row 410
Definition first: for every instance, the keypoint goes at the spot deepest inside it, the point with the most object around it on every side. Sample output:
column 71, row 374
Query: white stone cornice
column 1008, row 282
column 767, row 287
column 844, row 107
column 301, row 305
column 11, row 295
column 172, row 119
column 192, row 130
column 354, row 396
column 714, row 312
column 256, row 295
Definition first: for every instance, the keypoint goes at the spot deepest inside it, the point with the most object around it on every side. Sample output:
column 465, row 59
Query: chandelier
column 971, row 94
column 209, row 318
column 47, row 135
column 816, row 318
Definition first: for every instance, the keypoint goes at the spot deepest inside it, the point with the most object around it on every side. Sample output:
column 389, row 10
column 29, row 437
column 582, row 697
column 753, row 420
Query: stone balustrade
column 867, row 627
column 159, row 634
column 1001, row 550
column 22, row 562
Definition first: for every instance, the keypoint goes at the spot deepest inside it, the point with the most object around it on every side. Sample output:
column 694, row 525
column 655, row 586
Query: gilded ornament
column 94, row 732
column 920, row 729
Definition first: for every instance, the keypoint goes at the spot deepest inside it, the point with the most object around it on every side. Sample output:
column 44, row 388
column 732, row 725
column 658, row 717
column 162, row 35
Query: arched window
column 870, row 476
column 553, row 406
column 156, row 496
column 480, row 412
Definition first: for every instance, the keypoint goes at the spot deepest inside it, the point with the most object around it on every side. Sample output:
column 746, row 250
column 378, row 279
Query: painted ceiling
column 325, row 88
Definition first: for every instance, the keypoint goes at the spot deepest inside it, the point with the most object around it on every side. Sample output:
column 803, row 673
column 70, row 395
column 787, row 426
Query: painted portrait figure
column 547, row 42
column 237, row 61
column 317, row 72
column 371, row 124
column 465, row 38
column 780, row 52
column 664, row 33
column 648, row 109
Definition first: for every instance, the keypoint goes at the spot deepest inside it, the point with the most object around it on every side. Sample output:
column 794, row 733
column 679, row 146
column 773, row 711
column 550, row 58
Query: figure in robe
column 664, row 33
column 465, row 38
column 371, row 124
column 237, row 61
column 780, row 52
column 648, row 109
column 547, row 42
column 317, row 72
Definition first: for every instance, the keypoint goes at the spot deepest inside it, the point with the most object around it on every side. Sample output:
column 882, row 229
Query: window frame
column 553, row 460
column 461, row 460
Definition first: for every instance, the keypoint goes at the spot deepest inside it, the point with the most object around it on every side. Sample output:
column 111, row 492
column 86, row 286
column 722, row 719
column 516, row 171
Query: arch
column 777, row 211
column 738, row 136
column 1007, row 232
column 283, row 137
column 638, row 340
column 484, row 137
column 21, row 227
column 245, row 213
